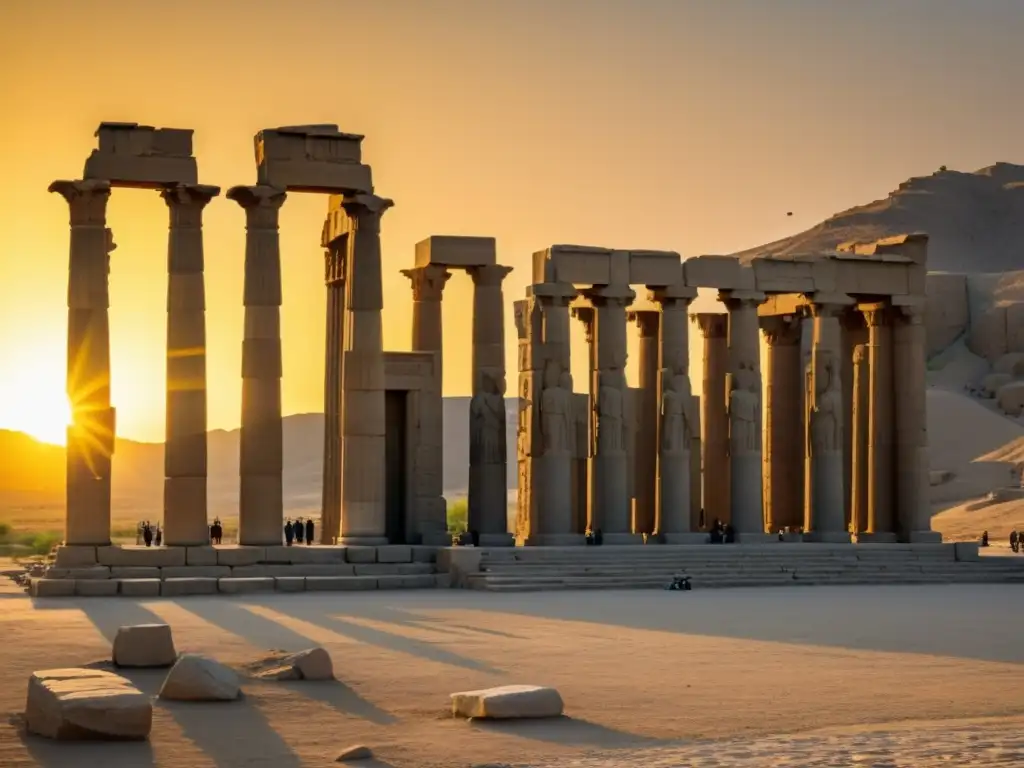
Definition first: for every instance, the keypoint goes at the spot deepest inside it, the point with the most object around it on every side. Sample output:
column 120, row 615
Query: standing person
column 213, row 533
column 1014, row 541
column 138, row 533
column 159, row 535
column 218, row 530
column 309, row 532
column 147, row 534
column 289, row 532
column 300, row 529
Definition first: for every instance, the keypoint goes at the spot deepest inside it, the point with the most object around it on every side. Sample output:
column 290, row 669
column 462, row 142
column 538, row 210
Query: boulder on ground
column 354, row 753
column 1010, row 398
column 311, row 664
column 508, row 701
column 144, row 645
column 991, row 384
column 86, row 704
column 200, row 678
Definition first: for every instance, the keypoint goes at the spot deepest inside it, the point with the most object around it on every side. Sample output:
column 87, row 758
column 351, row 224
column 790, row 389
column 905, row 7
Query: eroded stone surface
column 144, row 645
column 311, row 664
column 199, row 678
column 508, row 701
column 86, row 704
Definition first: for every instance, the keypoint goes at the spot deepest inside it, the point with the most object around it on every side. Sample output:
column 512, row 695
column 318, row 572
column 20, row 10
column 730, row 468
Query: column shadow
column 110, row 614
column 382, row 639
column 47, row 753
column 569, row 731
column 262, row 632
column 406, row 618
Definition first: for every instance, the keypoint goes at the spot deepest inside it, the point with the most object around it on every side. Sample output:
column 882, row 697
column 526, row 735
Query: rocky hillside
column 975, row 220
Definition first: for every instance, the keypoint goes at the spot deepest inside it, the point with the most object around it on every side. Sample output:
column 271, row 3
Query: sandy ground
column 649, row 678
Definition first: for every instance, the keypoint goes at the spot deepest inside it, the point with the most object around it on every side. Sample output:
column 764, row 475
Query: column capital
column 87, row 200
column 186, row 203
column 828, row 304
column 740, row 299
column 877, row 314
column 713, row 325
column 365, row 211
column 672, row 296
column 909, row 310
column 261, row 203
column 647, row 320
column 553, row 293
column 610, row 295
column 427, row 281
column 781, row 330
column 491, row 274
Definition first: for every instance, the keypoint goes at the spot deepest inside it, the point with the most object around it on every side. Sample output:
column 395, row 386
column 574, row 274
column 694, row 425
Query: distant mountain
column 975, row 221
column 32, row 473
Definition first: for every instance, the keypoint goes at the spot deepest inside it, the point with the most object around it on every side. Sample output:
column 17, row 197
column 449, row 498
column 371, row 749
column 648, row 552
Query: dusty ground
column 647, row 676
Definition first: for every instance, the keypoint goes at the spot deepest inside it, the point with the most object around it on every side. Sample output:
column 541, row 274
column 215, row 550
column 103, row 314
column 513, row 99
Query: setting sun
column 32, row 400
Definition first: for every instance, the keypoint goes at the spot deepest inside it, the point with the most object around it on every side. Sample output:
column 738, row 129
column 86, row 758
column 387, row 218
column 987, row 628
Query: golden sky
column 685, row 125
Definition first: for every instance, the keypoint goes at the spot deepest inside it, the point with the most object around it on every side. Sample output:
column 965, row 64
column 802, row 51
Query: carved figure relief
column 826, row 426
column 676, row 425
column 609, row 416
column 556, row 410
column 487, row 421
column 744, row 411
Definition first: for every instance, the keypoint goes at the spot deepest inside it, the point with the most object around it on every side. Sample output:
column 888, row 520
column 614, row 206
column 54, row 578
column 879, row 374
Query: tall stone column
column 427, row 291
column 185, row 468
column 583, row 409
column 784, row 425
column 646, row 465
column 677, row 421
column 609, row 469
column 743, row 390
column 488, row 462
column 714, row 419
column 859, row 422
column 363, row 518
column 261, row 506
column 90, row 438
column 912, row 469
column 334, row 278
column 881, row 520
column 825, row 515
column 552, row 480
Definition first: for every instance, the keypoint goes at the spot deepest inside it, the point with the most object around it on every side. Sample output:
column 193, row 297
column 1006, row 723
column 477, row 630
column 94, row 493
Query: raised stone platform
column 178, row 571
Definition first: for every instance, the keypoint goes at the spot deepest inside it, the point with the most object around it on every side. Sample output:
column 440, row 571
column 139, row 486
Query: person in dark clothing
column 984, row 538
column 147, row 534
column 309, row 532
column 680, row 582
column 218, row 530
column 588, row 539
column 717, row 532
column 598, row 537
column 730, row 534
column 1014, row 541
column 159, row 539
column 289, row 532
column 474, row 536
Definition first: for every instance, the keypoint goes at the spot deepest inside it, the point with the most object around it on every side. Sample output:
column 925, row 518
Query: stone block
column 74, row 557
column 580, row 264
column 152, row 172
column 416, row 569
column 316, row 158
column 239, row 586
column 947, row 310
column 340, row 583
column 311, row 664
column 259, row 570
column 655, row 268
column 52, row 587
column 1010, row 398
column 180, row 587
column 205, row 555
column 144, row 645
column 364, row 414
column 967, row 551
column 199, row 678
column 154, row 557
column 459, row 563
column 80, row 704
column 261, row 358
column 414, row 581
column 376, row 569
column 507, row 702
column 139, row 587
column 195, row 572
column 240, row 555
column 134, row 572
column 456, row 251
column 394, row 553
column 987, row 335
column 442, row 580
column 868, row 276
column 290, row 584
column 721, row 272
column 95, row 588
column 993, row 382
column 314, row 569
column 366, row 373
column 424, row 554
column 357, row 554
column 95, row 572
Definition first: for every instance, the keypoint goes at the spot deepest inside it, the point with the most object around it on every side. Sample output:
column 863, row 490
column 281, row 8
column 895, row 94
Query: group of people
column 216, row 531
column 722, row 533
column 1016, row 540
column 298, row 531
column 149, row 534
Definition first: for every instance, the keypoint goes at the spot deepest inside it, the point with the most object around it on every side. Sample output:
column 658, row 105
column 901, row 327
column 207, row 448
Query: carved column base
column 497, row 540
column 745, row 493
column 611, row 488
column 556, row 540
column 876, row 538
column 674, row 493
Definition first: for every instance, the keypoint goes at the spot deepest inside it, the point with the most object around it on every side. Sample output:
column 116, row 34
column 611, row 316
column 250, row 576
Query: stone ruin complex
column 654, row 461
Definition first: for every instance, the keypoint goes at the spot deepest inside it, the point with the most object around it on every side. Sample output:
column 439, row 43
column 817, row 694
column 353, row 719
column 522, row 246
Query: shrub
column 5, row 531
column 40, row 542
column 458, row 516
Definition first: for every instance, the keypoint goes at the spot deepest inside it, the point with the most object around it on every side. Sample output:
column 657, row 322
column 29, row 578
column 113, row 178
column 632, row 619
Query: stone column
column 334, row 278
column 784, row 425
column 825, row 515
column 677, row 420
column 583, row 415
column 609, row 469
column 90, row 438
column 185, row 468
column 488, row 462
column 363, row 518
column 552, row 481
column 881, row 521
column 743, row 390
column 427, row 290
column 912, row 469
column 859, row 443
column 714, row 419
column 646, row 465
column 261, row 507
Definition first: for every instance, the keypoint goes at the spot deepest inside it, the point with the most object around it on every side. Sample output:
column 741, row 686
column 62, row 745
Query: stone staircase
column 526, row 569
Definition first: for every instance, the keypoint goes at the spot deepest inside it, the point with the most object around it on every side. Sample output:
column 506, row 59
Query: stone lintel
column 726, row 273
column 578, row 264
column 727, row 296
column 909, row 304
column 599, row 293
column 552, row 291
column 456, row 251
column 312, row 158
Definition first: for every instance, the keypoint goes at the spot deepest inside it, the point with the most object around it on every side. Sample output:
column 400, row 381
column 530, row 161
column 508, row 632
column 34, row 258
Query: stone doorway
column 395, row 460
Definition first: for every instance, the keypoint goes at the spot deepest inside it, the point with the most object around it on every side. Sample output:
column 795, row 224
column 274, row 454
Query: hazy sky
column 671, row 124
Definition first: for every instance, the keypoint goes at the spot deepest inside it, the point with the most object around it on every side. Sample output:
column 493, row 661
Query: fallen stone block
column 195, row 572
column 354, row 753
column 144, row 645
column 180, row 587
column 153, row 557
column 86, row 704
column 53, row 588
column 134, row 572
column 200, row 678
column 311, row 664
column 96, row 588
column 507, row 702
column 340, row 583
column 205, row 555
column 394, row 553
column 240, row 555
column 290, row 583
column 241, row 586
column 359, row 554
column 140, row 587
